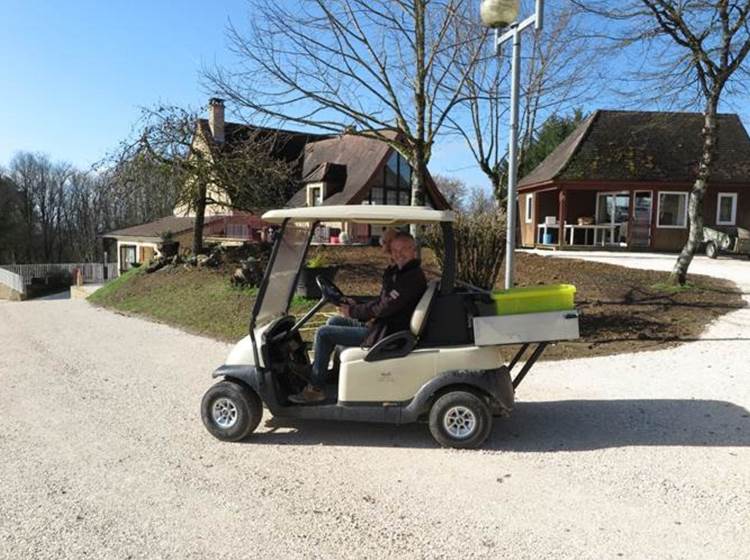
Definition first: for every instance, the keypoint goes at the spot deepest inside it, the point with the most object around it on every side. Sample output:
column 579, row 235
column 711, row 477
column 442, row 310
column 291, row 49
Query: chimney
column 216, row 118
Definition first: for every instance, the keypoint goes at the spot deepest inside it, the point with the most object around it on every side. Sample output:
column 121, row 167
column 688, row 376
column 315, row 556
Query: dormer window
column 315, row 194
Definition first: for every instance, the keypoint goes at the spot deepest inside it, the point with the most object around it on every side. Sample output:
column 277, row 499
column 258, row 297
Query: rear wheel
column 231, row 411
column 712, row 251
column 460, row 419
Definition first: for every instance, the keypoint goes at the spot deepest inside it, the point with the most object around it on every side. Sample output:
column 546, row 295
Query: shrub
column 480, row 246
column 167, row 235
column 318, row 260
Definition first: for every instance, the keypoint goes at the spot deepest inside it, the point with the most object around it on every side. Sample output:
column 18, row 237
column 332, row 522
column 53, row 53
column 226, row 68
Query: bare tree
column 52, row 212
column 87, row 208
column 557, row 75
column 246, row 173
column 702, row 48
column 11, row 226
column 453, row 189
column 387, row 70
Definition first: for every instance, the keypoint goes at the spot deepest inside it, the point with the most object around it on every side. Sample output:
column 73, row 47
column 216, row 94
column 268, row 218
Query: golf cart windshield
column 282, row 279
column 297, row 225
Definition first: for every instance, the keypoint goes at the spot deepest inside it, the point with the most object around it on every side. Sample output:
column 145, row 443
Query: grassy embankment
column 199, row 301
column 623, row 310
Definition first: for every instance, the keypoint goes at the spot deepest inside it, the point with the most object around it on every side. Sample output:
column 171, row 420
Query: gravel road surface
column 103, row 455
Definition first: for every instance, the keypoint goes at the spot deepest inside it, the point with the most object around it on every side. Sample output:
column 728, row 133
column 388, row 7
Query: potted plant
column 318, row 264
column 168, row 247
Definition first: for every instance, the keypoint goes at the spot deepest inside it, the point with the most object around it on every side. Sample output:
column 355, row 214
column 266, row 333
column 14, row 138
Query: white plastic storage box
column 528, row 327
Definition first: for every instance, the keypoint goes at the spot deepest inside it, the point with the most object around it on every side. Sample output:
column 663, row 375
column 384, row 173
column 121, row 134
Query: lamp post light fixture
column 499, row 14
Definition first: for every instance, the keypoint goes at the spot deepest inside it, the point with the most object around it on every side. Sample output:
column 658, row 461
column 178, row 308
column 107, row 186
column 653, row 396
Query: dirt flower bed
column 622, row 309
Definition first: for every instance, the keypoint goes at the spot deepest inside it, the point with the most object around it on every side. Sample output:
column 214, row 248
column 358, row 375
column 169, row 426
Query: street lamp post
column 499, row 14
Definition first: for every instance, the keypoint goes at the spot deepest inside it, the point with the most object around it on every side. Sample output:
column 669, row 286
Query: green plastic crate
column 534, row 299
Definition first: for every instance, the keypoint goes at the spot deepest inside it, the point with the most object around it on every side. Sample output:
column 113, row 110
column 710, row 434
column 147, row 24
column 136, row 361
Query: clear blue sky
column 74, row 73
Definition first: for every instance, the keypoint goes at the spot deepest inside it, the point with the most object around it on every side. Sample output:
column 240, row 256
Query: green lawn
column 198, row 300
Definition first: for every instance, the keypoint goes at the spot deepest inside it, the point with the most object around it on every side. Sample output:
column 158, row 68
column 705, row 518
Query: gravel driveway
column 103, row 455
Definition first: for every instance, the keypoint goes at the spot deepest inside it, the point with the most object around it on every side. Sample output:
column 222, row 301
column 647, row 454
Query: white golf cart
column 447, row 369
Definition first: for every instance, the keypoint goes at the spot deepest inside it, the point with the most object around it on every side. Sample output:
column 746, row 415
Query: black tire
column 458, row 410
column 231, row 411
column 712, row 251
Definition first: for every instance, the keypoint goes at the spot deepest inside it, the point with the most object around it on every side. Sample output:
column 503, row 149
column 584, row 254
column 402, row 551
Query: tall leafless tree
column 244, row 174
column 454, row 189
column 11, row 226
column 696, row 52
column 368, row 67
column 557, row 74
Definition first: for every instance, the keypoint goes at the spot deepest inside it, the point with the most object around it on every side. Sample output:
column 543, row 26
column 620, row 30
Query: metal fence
column 12, row 280
column 92, row 272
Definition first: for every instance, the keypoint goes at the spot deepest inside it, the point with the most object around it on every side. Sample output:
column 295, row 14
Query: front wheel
column 231, row 411
column 712, row 251
column 460, row 419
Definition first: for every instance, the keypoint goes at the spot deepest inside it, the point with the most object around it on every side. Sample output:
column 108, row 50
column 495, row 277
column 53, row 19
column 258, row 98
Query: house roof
column 348, row 162
column 376, row 214
column 360, row 156
column 175, row 224
column 642, row 146
column 287, row 144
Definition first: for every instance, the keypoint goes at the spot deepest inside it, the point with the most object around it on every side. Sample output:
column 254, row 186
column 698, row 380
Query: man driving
column 391, row 311
column 385, row 242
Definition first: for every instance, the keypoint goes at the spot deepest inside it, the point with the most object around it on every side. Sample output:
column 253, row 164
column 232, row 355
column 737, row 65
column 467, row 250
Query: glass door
column 127, row 257
column 612, row 210
column 640, row 232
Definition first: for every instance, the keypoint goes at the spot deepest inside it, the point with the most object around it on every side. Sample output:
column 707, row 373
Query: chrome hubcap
column 224, row 413
column 459, row 422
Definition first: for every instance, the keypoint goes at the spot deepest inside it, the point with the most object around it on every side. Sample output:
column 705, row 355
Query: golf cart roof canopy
column 366, row 214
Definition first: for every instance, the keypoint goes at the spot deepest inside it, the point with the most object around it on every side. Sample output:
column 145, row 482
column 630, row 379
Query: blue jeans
column 339, row 321
column 337, row 331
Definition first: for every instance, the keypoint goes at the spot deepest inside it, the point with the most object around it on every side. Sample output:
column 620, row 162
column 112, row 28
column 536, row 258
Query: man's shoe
column 308, row 395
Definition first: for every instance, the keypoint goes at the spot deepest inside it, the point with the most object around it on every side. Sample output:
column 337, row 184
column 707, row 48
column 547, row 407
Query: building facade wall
column 148, row 248
column 582, row 201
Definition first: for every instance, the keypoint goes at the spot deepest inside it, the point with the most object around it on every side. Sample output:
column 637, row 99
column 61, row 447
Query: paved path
column 103, row 455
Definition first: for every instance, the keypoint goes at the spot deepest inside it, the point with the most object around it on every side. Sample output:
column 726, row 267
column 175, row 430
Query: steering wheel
column 330, row 291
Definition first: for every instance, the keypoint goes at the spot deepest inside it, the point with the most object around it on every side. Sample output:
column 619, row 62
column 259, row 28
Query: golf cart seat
column 398, row 344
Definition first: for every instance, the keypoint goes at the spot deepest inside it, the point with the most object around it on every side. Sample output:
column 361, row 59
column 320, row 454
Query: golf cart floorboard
column 332, row 409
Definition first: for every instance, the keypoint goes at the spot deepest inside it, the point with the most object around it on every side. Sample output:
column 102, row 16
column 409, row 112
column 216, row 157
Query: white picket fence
column 12, row 280
column 92, row 272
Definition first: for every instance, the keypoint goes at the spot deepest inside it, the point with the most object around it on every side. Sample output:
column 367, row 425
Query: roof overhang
column 365, row 214
column 132, row 238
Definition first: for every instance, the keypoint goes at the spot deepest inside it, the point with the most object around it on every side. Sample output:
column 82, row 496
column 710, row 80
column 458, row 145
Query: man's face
column 403, row 251
column 386, row 240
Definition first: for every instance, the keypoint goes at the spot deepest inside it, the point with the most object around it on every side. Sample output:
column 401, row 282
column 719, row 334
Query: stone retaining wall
column 10, row 294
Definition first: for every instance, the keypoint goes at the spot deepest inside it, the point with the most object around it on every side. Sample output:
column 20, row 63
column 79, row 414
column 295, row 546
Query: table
column 612, row 229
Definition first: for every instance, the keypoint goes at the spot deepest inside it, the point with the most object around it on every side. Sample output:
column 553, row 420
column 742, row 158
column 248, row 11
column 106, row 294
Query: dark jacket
column 392, row 310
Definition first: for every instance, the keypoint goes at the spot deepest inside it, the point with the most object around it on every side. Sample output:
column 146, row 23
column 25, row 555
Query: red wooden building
column 623, row 178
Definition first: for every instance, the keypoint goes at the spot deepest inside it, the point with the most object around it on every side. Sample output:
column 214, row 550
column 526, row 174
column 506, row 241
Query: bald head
column 403, row 249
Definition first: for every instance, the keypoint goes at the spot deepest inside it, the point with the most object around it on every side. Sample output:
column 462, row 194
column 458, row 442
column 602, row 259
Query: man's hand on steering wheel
column 330, row 292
